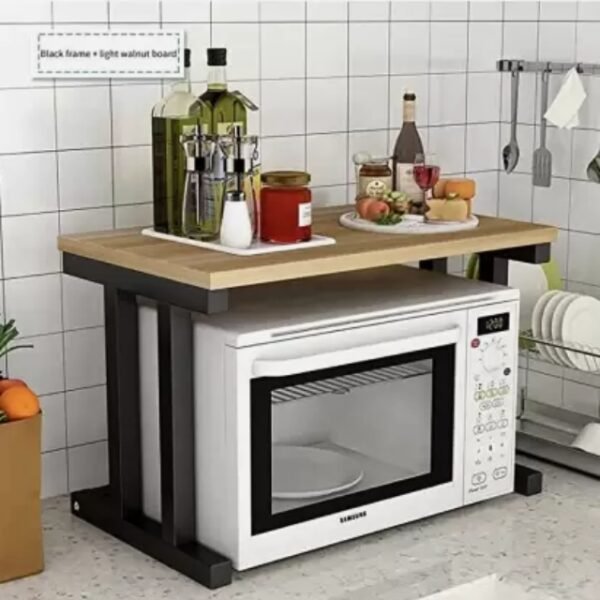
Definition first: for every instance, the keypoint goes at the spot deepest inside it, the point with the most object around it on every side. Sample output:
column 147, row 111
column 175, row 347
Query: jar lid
column 286, row 178
column 378, row 160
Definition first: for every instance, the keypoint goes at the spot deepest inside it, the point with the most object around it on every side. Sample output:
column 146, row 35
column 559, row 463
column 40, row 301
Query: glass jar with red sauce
column 285, row 207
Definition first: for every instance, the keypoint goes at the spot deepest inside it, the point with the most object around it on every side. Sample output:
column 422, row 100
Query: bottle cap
column 409, row 96
column 187, row 58
column 217, row 57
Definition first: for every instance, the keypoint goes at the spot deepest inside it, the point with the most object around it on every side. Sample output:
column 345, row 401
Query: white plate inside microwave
column 303, row 472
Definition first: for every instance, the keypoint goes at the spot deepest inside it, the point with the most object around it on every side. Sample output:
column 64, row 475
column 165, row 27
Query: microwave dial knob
column 492, row 358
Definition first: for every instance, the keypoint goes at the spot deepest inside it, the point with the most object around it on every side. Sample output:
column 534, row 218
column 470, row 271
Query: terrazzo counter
column 547, row 546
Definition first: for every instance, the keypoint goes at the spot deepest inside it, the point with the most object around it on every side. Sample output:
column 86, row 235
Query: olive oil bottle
column 176, row 114
column 226, row 108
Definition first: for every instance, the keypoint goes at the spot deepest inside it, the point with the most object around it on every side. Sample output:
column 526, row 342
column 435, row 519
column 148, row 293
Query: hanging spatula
column 542, row 157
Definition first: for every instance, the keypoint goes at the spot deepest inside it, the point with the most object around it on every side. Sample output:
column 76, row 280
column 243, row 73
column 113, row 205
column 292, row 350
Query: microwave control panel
column 491, row 398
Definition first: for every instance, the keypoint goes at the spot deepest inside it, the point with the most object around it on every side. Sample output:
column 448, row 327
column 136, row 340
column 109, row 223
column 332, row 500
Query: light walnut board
column 354, row 250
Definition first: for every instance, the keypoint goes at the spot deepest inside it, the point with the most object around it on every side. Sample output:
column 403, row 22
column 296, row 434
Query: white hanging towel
column 564, row 110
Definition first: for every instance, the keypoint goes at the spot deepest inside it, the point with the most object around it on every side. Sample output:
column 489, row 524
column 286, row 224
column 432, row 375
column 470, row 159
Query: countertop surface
column 354, row 250
column 546, row 546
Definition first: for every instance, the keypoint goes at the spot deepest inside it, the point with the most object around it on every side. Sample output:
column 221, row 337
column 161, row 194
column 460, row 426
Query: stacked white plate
column 570, row 319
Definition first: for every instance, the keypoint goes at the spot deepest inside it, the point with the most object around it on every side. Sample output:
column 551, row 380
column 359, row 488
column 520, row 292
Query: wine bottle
column 176, row 114
column 408, row 145
column 227, row 108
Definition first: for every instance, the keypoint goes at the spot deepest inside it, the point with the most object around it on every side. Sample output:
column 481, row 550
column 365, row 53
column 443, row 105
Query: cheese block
column 443, row 209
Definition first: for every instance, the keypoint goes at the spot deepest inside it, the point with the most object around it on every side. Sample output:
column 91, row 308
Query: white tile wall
column 329, row 78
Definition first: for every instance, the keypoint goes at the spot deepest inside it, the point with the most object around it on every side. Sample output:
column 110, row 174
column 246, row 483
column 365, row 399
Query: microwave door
column 345, row 428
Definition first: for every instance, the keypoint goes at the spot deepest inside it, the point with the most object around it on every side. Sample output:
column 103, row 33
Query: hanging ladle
column 510, row 153
column 593, row 169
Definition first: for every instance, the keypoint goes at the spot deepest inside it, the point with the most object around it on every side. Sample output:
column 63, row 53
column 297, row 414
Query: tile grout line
column 305, row 85
column 60, row 279
column 389, row 81
column 349, row 198
column 112, row 134
column 466, row 131
column 500, row 165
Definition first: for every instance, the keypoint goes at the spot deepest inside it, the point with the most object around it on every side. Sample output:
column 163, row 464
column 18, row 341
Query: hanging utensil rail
column 507, row 65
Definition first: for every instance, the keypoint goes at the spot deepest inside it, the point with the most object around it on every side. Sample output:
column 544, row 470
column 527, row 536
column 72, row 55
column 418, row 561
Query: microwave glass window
column 344, row 437
column 350, row 433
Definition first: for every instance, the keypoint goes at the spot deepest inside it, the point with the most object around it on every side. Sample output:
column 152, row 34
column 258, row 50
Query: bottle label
column 406, row 183
column 374, row 186
column 305, row 214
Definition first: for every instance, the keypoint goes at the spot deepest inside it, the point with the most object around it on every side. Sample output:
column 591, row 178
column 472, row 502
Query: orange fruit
column 6, row 384
column 19, row 402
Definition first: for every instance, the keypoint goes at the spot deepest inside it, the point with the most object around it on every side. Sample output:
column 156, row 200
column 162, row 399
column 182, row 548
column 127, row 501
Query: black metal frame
column 442, row 438
column 117, row 508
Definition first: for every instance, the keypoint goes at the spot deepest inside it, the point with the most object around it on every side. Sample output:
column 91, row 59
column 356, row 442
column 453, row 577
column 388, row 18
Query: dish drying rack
column 546, row 431
column 346, row 383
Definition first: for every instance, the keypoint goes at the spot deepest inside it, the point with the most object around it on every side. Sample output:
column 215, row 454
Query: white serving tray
column 257, row 247
column 352, row 221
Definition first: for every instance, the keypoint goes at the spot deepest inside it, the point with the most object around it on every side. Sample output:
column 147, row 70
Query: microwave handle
column 314, row 362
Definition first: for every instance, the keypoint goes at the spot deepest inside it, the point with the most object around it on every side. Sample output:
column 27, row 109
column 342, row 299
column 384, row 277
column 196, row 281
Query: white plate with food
column 352, row 220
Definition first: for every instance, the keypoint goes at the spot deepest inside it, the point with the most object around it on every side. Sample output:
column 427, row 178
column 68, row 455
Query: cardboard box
column 21, row 550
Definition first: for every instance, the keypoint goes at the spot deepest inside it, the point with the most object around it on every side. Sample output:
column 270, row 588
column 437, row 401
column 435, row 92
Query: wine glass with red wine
column 426, row 172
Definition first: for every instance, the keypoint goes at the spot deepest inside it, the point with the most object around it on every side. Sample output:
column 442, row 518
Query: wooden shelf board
column 354, row 250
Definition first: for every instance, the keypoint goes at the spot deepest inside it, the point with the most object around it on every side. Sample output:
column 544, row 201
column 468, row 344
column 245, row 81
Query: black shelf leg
column 123, row 398
column 176, row 406
column 117, row 508
column 493, row 267
column 439, row 265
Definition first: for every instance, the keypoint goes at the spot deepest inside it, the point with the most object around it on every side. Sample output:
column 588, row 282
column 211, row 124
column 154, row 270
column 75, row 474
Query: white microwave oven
column 333, row 407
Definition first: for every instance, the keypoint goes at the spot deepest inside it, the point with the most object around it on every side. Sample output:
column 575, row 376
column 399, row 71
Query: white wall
column 329, row 77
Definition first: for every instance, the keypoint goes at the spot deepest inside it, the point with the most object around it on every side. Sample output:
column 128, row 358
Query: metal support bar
column 193, row 560
column 138, row 283
column 176, row 405
column 123, row 400
column 439, row 265
column 525, row 66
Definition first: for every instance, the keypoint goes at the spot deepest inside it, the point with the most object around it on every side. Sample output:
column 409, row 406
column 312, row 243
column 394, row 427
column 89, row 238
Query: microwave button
column 503, row 423
column 500, row 473
column 479, row 478
column 490, row 426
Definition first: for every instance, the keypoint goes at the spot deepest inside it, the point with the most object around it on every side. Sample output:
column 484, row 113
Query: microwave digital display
column 493, row 324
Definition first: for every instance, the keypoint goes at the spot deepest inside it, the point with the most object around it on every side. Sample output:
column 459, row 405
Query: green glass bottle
column 176, row 114
column 226, row 108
